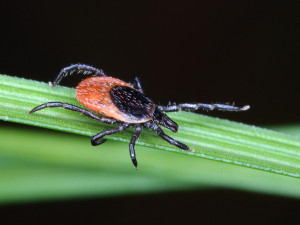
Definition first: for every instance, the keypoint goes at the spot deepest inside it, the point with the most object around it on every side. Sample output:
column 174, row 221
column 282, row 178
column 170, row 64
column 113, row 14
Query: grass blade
column 211, row 138
column 39, row 165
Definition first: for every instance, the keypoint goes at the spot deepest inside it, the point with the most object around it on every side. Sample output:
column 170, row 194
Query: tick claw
column 191, row 150
column 246, row 107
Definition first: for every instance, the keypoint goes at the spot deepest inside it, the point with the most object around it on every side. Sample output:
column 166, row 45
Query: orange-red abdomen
column 110, row 97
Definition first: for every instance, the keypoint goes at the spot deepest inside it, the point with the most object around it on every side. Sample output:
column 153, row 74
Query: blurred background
column 241, row 52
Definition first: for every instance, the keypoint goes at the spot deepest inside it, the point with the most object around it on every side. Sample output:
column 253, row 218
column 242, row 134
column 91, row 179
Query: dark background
column 208, row 51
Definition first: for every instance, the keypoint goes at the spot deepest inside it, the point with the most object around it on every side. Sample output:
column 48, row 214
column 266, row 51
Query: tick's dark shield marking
column 124, row 103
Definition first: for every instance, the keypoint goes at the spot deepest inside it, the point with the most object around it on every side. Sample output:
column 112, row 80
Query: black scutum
column 132, row 102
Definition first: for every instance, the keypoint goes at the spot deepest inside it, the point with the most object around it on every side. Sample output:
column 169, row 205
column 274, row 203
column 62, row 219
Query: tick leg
column 160, row 133
column 189, row 106
column 137, row 84
column 97, row 139
column 73, row 108
column 78, row 69
column 138, row 131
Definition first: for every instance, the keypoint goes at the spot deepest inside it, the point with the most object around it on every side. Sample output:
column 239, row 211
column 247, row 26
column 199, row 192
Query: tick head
column 162, row 119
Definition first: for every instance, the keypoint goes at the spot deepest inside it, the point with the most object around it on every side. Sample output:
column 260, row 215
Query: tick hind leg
column 78, row 69
column 97, row 139
column 73, row 108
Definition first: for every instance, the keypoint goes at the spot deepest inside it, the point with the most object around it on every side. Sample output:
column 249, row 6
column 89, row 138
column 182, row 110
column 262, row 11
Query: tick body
column 124, row 103
column 116, row 99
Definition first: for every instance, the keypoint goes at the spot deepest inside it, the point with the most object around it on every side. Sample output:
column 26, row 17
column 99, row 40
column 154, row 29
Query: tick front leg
column 196, row 106
column 160, row 133
column 138, row 131
column 73, row 108
column 97, row 139
column 78, row 69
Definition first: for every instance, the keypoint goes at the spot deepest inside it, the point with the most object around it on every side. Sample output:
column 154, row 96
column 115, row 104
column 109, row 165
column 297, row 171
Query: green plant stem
column 38, row 164
column 291, row 129
column 211, row 138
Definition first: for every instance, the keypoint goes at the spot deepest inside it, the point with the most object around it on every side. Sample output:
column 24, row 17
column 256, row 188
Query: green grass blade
column 39, row 165
column 211, row 138
column 291, row 129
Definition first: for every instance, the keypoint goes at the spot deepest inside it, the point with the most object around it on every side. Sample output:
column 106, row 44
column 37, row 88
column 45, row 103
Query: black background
column 184, row 51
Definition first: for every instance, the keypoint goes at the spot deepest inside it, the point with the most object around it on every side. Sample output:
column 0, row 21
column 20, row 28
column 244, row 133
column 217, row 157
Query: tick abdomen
column 115, row 98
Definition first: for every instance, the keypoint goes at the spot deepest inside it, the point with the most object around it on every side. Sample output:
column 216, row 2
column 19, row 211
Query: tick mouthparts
column 168, row 123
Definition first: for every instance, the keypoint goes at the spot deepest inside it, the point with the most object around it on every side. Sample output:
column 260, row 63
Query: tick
column 124, row 103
